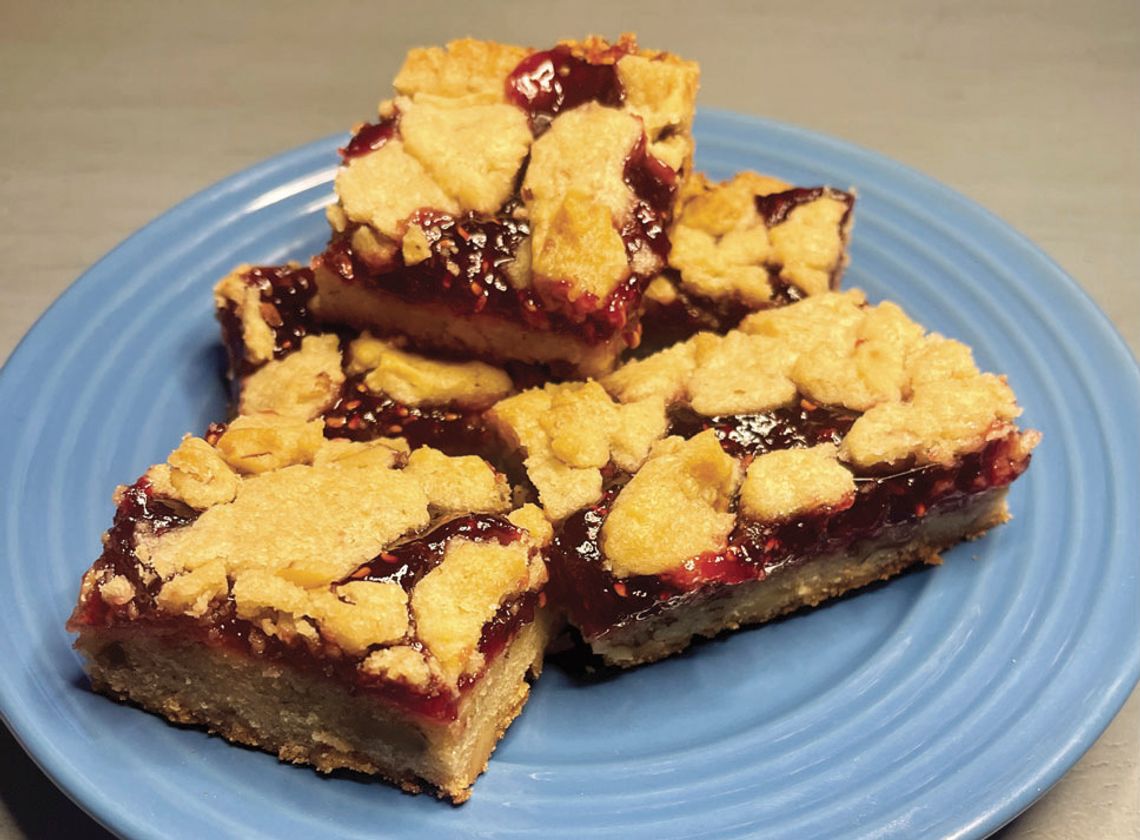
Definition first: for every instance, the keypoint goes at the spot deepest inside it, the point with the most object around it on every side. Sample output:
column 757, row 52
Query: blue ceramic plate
column 942, row 704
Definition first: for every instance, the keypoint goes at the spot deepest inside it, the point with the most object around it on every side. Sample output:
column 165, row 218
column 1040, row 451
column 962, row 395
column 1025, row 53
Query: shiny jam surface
column 596, row 601
column 546, row 83
column 370, row 137
column 404, row 562
column 286, row 294
column 407, row 561
column 360, row 415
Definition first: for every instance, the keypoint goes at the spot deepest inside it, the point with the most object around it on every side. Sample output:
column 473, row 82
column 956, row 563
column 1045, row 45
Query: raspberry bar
column 748, row 243
column 512, row 204
column 363, row 387
column 337, row 603
column 731, row 479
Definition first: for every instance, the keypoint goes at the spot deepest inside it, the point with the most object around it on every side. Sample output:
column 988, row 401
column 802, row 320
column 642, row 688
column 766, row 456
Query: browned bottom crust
column 305, row 719
column 803, row 585
column 434, row 327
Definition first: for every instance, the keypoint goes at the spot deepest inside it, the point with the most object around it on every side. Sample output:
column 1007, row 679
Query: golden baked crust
column 303, row 384
column 674, row 508
column 748, row 243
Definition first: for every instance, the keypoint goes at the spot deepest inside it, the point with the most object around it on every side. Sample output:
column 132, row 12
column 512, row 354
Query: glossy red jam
column 286, row 294
column 546, row 83
column 405, row 562
column 596, row 601
column 370, row 137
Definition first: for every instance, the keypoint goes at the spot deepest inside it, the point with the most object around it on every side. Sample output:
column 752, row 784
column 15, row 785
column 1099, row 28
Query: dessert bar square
column 336, row 603
column 362, row 386
column 749, row 243
column 731, row 479
column 512, row 204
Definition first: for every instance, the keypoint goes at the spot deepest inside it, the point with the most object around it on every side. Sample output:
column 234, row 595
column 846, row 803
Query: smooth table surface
column 109, row 114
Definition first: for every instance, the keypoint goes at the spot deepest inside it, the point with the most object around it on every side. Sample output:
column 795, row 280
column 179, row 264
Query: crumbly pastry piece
column 512, row 204
column 342, row 604
column 361, row 385
column 749, row 243
column 821, row 446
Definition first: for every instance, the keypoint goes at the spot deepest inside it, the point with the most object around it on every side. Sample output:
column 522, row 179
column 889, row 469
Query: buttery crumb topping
column 416, row 380
column 788, row 482
column 674, row 508
column 723, row 247
column 569, row 432
column 301, row 385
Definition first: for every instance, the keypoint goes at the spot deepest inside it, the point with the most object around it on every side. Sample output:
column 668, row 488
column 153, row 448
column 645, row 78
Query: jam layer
column 596, row 600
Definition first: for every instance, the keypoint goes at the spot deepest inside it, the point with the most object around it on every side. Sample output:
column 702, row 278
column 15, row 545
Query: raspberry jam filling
column 597, row 601
column 546, row 83
column 405, row 562
column 286, row 294
column 360, row 415
column 370, row 137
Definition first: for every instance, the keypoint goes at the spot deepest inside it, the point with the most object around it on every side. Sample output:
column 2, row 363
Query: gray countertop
column 113, row 112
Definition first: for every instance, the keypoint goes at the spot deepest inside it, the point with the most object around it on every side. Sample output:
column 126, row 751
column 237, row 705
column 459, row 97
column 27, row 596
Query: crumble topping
column 195, row 474
column 384, row 187
column 302, row 384
column 257, row 336
column 674, row 508
column 459, row 596
column 787, row 482
column 380, row 453
column 809, row 244
column 563, row 169
column 472, row 151
column 579, row 201
column 258, row 443
column 465, row 69
column 458, row 484
column 532, row 520
column 402, row 663
column 416, row 380
column 731, row 374
column 724, row 247
column 662, row 91
column 569, row 432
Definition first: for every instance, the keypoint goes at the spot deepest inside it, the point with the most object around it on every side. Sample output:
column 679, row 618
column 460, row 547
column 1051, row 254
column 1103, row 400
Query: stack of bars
column 544, row 375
